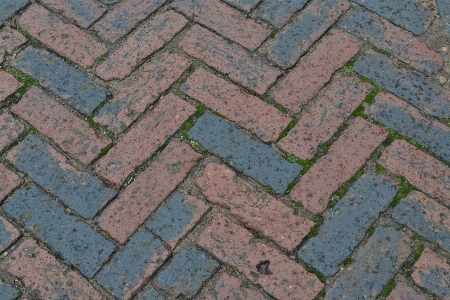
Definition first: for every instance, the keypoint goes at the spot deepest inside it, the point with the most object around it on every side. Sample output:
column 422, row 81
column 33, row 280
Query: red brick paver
column 11, row 231
column 403, row 292
column 9, row 41
column 8, row 181
column 8, row 85
column 229, row 287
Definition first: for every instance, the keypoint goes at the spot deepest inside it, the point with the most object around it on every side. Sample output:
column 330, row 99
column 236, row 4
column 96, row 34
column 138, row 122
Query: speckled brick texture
column 10, row 129
column 8, row 85
column 229, row 287
column 9, row 181
column 10, row 39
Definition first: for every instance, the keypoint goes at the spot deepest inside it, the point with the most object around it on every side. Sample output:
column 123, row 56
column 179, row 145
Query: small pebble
column 442, row 79
column 445, row 49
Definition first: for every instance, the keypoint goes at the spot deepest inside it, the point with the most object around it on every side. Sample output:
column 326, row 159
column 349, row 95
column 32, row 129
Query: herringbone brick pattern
column 224, row 149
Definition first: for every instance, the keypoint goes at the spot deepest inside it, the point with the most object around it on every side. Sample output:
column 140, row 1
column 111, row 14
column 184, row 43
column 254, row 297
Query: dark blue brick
column 253, row 158
column 133, row 265
column 345, row 226
column 9, row 7
column 408, row 121
column 444, row 11
column 279, row 12
column 81, row 191
column 404, row 13
column 148, row 293
column 66, row 234
column 176, row 217
column 53, row 73
column 8, row 291
column 184, row 276
column 404, row 83
column 423, row 215
column 375, row 263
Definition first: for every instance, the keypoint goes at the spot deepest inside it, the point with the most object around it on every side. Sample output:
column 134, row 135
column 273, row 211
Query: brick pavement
column 224, row 149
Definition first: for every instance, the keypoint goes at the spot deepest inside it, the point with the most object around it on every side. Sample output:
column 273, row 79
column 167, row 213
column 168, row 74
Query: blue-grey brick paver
column 8, row 291
column 53, row 73
column 128, row 268
column 375, row 263
column 444, row 11
column 9, row 7
column 404, row 13
column 81, row 191
column 67, row 235
column 345, row 226
column 406, row 84
column 279, row 12
column 148, row 293
column 253, row 158
column 6, row 237
column 243, row 4
column 184, row 276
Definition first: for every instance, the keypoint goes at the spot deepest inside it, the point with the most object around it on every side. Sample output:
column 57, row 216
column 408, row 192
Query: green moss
column 219, row 115
column 273, row 33
column 297, row 208
column 32, row 130
column 388, row 288
column 344, row 188
column 22, row 77
column 381, row 170
column 418, row 238
column 367, row 80
column 417, row 252
column 269, row 191
column 191, row 68
column 371, row 96
column 319, row 275
column 103, row 57
column 348, row 68
column 279, row 107
column 404, row 188
column 105, row 150
column 318, row 220
column 198, row 146
column 201, row 109
column 359, row 112
column 370, row 231
column 285, row 132
column 321, row 295
column 347, row 261
column 24, row 33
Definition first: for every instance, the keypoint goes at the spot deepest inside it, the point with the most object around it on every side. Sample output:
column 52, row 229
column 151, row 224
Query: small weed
column 370, row 231
column 381, row 170
column 319, row 275
column 297, row 208
column 418, row 238
column 388, row 288
column 347, row 261
column 269, row 191
column 367, row 80
column 191, row 68
column 273, row 33
column 32, row 130
column 178, row 93
column 285, row 132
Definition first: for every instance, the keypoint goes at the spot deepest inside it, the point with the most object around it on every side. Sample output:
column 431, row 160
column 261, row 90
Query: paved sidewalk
column 224, row 149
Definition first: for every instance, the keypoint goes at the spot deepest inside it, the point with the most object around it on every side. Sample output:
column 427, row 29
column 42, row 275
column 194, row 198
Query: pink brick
column 419, row 168
column 224, row 20
column 45, row 277
column 344, row 158
column 10, row 40
column 403, row 292
column 54, row 120
column 144, row 139
column 228, row 287
column 324, row 118
column 234, row 245
column 65, row 39
column 124, row 17
column 259, row 211
column 145, row 41
column 143, row 196
column 8, row 85
column 7, row 231
column 246, row 110
column 133, row 100
column 315, row 70
column 8, row 181
column 10, row 130
column 79, row 12
column 229, row 59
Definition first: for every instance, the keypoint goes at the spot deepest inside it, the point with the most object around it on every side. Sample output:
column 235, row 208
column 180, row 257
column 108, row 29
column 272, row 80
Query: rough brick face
column 346, row 156
column 278, row 12
column 9, row 7
column 228, row 287
column 404, row 292
column 315, row 70
column 10, row 129
column 248, row 111
column 8, row 85
column 9, row 40
column 8, row 233
column 8, row 181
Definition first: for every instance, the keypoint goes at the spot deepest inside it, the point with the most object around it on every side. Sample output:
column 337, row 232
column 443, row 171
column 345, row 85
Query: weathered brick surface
column 133, row 100
column 406, row 84
column 345, row 226
column 425, row 216
column 251, row 157
column 8, row 234
column 229, row 59
column 404, row 13
column 324, row 118
column 9, row 41
column 147, row 136
column 315, row 70
column 279, row 276
column 10, row 129
column 407, row 120
column 8, row 181
column 44, row 276
column 8, row 85
column 186, row 273
column 81, row 191
column 346, row 156
column 225, row 21
column 65, row 39
column 9, row 7
column 80, row 12
column 143, row 196
column 54, row 120
column 53, row 73
column 432, row 272
column 46, row 218
column 419, row 168
column 295, row 39
column 176, row 217
column 149, row 293
column 8, row 291
column 392, row 39
column 145, row 41
column 257, row 210
column 245, row 5
column 387, row 250
column 444, row 10
column 403, row 292
column 133, row 265
column 278, row 12
column 229, row 287
column 246, row 110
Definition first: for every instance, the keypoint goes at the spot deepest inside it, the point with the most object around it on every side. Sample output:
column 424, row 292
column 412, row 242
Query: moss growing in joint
column 348, row 67
column 22, row 77
column 404, row 188
column 347, row 261
column 105, row 150
column 318, row 220
column 201, row 109
column 344, row 188
column 388, row 288
column 319, row 275
column 370, row 231
column 321, row 295
column 285, row 132
column 381, row 170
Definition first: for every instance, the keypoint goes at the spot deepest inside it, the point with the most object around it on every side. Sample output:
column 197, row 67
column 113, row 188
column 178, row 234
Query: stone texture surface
column 404, row 292
column 444, row 11
column 8, row 291
column 8, row 234
column 279, row 12
column 8, row 181
column 10, row 130
column 10, row 39
column 245, row 5
column 9, row 7
column 251, row 157
column 149, row 293
column 8, row 85
column 229, row 287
